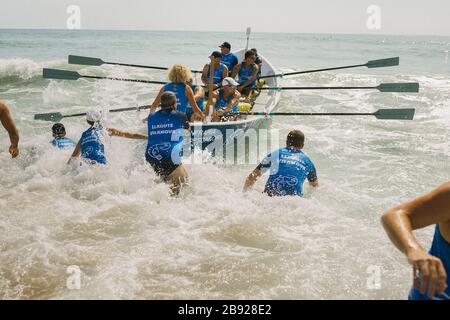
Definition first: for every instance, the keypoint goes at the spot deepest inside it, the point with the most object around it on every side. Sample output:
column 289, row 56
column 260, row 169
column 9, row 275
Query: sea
column 114, row 232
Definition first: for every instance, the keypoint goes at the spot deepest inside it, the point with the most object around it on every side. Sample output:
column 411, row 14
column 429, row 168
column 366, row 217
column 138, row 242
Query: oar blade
column 60, row 74
column 398, row 87
column 53, row 116
column 381, row 63
column 395, row 114
column 85, row 61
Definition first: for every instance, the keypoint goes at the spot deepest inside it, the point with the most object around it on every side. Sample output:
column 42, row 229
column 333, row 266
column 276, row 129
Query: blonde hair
column 179, row 73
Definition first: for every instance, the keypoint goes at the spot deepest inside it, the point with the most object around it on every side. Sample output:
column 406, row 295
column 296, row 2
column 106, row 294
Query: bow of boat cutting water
column 130, row 240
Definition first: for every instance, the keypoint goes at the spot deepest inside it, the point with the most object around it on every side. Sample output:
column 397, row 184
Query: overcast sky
column 430, row 17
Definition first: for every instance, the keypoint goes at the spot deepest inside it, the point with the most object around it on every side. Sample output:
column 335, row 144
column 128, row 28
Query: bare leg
column 177, row 179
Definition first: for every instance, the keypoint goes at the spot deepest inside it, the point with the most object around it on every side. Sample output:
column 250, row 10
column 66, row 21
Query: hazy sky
column 431, row 17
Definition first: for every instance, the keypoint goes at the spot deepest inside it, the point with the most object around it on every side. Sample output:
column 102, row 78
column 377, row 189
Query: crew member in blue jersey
column 228, row 58
column 430, row 269
column 220, row 71
column 59, row 137
column 258, row 61
column 7, row 122
column 199, row 96
column 226, row 100
column 91, row 146
column 166, row 130
column 178, row 76
column 289, row 168
column 246, row 73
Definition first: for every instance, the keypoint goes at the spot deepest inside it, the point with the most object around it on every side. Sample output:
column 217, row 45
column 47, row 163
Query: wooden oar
column 385, row 114
column 381, row 63
column 57, row 116
column 73, row 75
column 384, row 87
column 209, row 109
column 88, row 61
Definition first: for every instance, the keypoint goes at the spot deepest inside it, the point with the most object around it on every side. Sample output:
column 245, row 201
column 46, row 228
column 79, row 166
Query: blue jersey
column 230, row 60
column 222, row 102
column 200, row 102
column 165, row 135
column 441, row 249
column 288, row 170
column 63, row 143
column 218, row 74
column 245, row 73
column 92, row 147
column 180, row 92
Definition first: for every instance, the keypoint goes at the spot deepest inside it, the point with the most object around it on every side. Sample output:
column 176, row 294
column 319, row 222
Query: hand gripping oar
column 73, row 75
column 57, row 116
column 88, row 61
column 385, row 114
column 381, row 63
column 384, row 87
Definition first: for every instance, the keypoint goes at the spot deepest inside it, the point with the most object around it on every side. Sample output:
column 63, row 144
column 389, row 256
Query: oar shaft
column 317, row 88
column 123, row 79
column 305, row 114
column 146, row 67
column 312, row 71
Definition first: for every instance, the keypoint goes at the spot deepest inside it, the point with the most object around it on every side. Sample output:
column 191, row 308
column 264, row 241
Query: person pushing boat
column 199, row 96
column 59, row 137
column 8, row 123
column 430, row 269
column 289, row 167
column 91, row 145
column 220, row 70
column 178, row 76
column 246, row 73
column 226, row 100
column 228, row 58
column 164, row 152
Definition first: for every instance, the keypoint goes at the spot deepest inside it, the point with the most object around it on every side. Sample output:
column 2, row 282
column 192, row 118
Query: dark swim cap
column 58, row 128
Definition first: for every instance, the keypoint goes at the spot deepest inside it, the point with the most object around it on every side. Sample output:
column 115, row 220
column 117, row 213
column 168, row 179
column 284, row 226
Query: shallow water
column 131, row 240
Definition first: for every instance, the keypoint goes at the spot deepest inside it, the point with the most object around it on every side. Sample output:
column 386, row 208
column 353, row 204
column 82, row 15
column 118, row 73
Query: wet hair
column 179, row 73
column 249, row 53
column 58, row 129
column 295, row 139
column 168, row 100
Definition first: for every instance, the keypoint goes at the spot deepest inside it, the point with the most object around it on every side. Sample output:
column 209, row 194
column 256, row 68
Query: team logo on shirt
column 154, row 151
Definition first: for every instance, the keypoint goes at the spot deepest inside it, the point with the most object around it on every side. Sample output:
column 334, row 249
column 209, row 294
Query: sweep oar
column 57, row 116
column 88, row 61
column 73, row 75
column 384, row 87
column 385, row 114
column 381, row 63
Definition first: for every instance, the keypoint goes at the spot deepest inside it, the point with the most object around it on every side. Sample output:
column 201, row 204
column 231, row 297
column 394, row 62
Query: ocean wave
column 17, row 69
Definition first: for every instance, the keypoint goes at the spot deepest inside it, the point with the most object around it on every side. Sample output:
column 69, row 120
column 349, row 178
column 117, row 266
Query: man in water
column 166, row 129
column 91, row 145
column 430, row 269
column 8, row 123
column 59, row 137
column 228, row 58
column 289, row 167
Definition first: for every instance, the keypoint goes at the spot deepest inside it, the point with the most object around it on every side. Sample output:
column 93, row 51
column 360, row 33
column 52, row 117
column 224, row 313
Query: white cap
column 93, row 115
column 228, row 81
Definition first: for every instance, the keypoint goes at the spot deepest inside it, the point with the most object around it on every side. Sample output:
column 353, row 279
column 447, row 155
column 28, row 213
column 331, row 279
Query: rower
column 431, row 269
column 179, row 75
column 220, row 70
column 228, row 58
column 8, row 123
column 165, row 142
column 246, row 72
column 91, row 146
column 258, row 62
column 59, row 137
column 199, row 96
column 289, row 167
column 226, row 100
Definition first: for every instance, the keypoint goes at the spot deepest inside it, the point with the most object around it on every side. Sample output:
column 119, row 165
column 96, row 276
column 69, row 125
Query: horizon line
column 216, row 31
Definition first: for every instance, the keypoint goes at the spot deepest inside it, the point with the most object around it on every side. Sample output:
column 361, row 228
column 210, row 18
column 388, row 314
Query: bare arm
column 8, row 123
column 250, row 79
column 423, row 211
column 157, row 101
column 127, row 134
column 235, row 71
column 205, row 74
column 76, row 152
column 233, row 102
column 251, row 179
